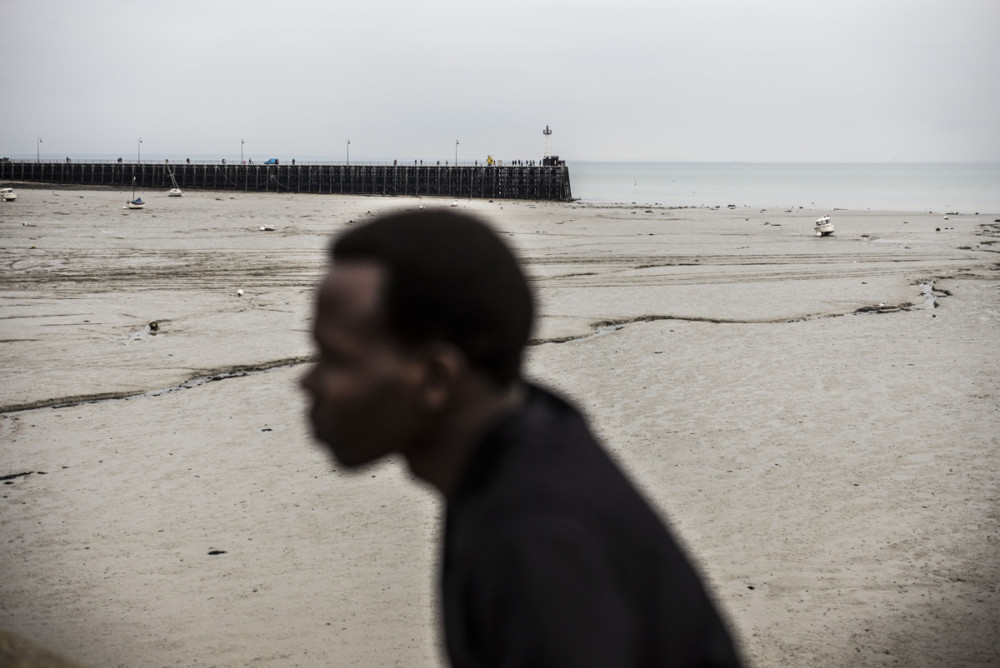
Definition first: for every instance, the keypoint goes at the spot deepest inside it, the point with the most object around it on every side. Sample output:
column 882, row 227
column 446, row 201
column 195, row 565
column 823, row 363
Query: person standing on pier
column 550, row 556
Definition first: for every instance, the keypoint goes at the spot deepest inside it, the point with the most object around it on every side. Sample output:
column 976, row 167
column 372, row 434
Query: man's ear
column 444, row 367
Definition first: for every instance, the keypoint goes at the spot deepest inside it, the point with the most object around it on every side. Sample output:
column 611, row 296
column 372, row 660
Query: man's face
column 363, row 388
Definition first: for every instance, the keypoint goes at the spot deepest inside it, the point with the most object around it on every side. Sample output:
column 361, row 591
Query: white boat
column 175, row 191
column 135, row 202
column 824, row 227
column 8, row 194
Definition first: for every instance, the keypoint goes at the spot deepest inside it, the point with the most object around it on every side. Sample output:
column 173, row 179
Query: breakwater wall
column 535, row 182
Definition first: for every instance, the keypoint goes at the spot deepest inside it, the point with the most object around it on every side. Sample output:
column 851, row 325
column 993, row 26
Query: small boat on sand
column 135, row 202
column 8, row 194
column 175, row 191
column 824, row 227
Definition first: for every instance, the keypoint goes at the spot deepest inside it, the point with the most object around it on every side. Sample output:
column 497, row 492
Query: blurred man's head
column 413, row 304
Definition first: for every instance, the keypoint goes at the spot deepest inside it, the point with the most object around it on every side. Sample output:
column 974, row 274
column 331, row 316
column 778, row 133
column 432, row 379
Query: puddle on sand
column 930, row 296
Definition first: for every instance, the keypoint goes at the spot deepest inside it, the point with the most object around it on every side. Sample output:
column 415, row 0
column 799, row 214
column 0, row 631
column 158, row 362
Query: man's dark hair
column 448, row 277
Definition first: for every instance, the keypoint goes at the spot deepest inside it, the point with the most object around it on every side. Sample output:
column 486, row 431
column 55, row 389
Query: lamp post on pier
column 348, row 152
column 38, row 150
column 241, row 150
column 138, row 151
column 456, row 153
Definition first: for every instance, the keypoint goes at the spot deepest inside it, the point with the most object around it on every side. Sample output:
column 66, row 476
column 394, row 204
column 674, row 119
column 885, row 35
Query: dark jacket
column 552, row 558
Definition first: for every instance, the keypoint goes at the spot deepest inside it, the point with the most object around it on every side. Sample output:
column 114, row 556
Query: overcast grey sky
column 708, row 80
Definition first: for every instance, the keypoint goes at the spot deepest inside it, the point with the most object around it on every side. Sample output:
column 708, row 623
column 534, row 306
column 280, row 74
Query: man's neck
column 445, row 455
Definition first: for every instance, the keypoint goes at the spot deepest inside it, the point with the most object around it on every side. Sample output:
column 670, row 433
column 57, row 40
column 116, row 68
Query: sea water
column 938, row 187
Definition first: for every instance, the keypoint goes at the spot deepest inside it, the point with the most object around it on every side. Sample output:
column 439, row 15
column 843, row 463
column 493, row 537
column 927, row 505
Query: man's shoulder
column 542, row 471
column 546, row 424
column 544, row 448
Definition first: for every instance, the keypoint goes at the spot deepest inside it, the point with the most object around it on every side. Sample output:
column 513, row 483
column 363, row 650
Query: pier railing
column 534, row 182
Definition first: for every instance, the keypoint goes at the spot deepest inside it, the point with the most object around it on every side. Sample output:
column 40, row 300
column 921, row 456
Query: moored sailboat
column 175, row 191
column 135, row 202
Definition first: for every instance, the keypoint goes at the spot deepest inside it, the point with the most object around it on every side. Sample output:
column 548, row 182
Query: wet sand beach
column 817, row 418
